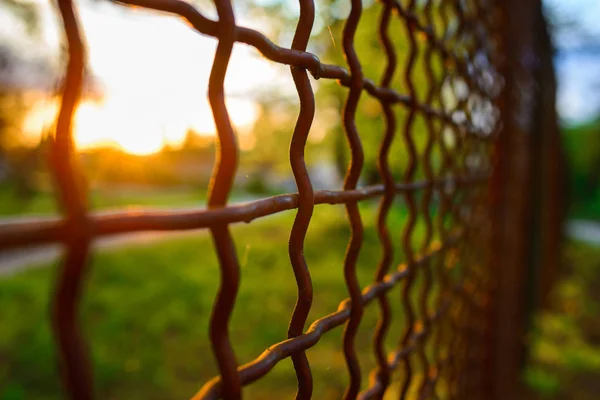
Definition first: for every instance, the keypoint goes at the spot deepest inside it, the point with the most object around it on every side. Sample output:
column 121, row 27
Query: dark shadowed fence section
column 471, row 264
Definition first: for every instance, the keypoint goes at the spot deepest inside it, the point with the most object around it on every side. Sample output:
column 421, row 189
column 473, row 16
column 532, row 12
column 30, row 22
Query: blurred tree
column 278, row 115
column 15, row 160
column 370, row 121
column 573, row 37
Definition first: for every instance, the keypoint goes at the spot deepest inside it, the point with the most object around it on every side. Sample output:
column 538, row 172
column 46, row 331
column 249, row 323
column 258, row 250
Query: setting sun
column 152, row 91
column 107, row 123
column 97, row 124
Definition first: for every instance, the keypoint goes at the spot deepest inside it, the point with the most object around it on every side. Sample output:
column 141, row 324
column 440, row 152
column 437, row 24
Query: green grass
column 565, row 341
column 10, row 204
column 44, row 202
column 146, row 310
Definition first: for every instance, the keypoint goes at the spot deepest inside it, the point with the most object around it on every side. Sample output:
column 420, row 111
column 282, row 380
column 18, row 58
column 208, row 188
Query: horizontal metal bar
column 48, row 231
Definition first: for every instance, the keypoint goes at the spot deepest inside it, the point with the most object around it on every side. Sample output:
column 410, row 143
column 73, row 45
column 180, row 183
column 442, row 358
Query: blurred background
column 564, row 339
column 146, row 137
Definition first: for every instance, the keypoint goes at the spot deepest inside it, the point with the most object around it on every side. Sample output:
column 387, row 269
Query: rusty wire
column 453, row 367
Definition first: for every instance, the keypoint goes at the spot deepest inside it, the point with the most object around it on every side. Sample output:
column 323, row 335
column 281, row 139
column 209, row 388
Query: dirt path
column 17, row 260
column 586, row 231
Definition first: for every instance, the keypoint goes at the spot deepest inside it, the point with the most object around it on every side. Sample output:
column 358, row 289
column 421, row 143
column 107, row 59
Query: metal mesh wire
column 441, row 352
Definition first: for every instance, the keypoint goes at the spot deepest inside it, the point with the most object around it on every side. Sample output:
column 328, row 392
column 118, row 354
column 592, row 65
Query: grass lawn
column 145, row 312
column 564, row 343
column 44, row 202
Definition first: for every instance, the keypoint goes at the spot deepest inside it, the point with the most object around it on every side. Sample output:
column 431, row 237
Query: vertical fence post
column 511, row 200
column 551, row 167
column 527, row 203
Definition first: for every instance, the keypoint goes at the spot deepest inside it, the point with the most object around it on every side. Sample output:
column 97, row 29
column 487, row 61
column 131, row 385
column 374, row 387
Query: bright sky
column 154, row 70
column 577, row 69
column 584, row 13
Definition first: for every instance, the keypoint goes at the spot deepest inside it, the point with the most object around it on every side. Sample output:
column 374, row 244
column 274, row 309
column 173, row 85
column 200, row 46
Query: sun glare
column 136, row 130
column 153, row 92
column 96, row 124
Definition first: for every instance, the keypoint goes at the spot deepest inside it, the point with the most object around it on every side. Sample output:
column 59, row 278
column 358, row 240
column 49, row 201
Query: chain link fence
column 448, row 350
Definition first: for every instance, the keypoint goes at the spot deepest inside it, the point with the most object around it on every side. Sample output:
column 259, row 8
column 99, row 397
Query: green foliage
column 278, row 116
column 257, row 185
column 565, row 340
column 543, row 382
column 370, row 121
column 582, row 144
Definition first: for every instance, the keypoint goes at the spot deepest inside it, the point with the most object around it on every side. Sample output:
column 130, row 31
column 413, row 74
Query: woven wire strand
column 444, row 345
